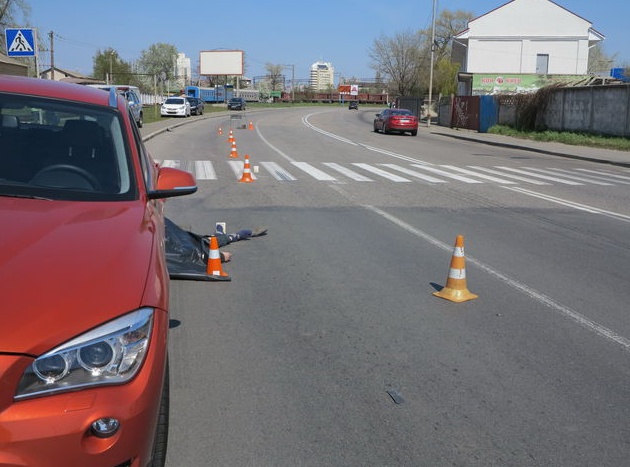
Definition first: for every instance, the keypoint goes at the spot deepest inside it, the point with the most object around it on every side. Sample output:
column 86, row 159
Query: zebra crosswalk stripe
column 381, row 172
column 357, row 177
column 314, row 172
column 204, row 170
column 447, row 174
column 478, row 175
column 512, row 176
column 277, row 171
column 544, row 177
column 413, row 173
column 566, row 174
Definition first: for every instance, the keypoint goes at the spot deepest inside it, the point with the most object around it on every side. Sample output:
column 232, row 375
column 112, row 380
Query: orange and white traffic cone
column 233, row 152
column 456, row 289
column 214, row 268
column 231, row 136
column 247, row 173
column 251, row 125
column 220, row 131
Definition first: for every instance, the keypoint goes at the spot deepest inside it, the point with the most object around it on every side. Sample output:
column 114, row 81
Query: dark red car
column 84, row 281
column 399, row 120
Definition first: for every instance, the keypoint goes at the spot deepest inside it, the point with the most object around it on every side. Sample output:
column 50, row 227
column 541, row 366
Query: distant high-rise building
column 322, row 76
column 183, row 70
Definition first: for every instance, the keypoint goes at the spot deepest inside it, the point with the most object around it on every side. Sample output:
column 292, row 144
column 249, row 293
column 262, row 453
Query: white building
column 526, row 36
column 183, row 70
column 322, row 76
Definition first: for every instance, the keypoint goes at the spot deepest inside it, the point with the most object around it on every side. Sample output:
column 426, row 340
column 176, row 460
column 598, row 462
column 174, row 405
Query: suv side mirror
column 173, row 182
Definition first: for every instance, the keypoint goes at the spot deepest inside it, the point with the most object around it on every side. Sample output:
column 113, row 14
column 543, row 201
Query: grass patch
column 575, row 139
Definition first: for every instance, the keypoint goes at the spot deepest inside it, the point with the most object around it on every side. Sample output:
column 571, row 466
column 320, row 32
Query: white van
column 131, row 93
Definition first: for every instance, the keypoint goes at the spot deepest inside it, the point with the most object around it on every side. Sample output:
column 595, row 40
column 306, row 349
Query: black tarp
column 187, row 254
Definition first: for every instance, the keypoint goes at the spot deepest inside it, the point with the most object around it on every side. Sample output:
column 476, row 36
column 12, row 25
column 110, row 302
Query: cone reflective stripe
column 247, row 173
column 233, row 152
column 456, row 289
column 214, row 267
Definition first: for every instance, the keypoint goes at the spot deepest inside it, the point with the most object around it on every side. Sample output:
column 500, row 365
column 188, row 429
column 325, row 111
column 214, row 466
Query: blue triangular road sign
column 20, row 42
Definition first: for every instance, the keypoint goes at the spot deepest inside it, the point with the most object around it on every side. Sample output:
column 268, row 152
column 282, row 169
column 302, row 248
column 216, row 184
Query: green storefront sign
column 505, row 84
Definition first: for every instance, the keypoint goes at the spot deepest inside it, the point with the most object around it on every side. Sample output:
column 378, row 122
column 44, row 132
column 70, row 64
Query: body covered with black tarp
column 187, row 254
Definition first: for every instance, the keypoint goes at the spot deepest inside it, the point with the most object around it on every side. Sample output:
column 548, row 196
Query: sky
column 286, row 32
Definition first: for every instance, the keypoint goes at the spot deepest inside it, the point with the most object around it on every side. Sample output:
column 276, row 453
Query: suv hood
column 66, row 267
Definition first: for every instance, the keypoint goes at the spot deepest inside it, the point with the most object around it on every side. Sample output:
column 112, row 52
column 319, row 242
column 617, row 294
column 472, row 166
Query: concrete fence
column 602, row 110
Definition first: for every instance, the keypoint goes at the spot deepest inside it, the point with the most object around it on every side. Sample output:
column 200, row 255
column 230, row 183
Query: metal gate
column 465, row 112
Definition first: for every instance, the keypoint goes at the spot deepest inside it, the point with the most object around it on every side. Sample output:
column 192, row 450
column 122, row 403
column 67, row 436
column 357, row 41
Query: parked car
column 175, row 107
column 196, row 105
column 85, row 288
column 353, row 105
column 133, row 96
column 399, row 120
column 237, row 103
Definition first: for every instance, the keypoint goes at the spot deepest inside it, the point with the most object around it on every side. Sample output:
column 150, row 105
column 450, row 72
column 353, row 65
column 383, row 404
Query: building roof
column 546, row 8
column 6, row 59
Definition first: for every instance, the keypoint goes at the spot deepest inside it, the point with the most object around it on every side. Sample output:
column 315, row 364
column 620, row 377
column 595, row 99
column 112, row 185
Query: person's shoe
column 258, row 231
column 243, row 234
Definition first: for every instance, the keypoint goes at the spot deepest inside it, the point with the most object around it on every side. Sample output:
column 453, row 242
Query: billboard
column 352, row 89
column 221, row 62
column 483, row 84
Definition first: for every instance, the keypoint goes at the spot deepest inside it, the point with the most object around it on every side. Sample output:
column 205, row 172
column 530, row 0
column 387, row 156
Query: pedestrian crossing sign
column 20, row 42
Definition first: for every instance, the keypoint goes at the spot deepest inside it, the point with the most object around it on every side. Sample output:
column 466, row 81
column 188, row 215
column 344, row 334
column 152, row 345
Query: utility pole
column 52, row 55
column 431, row 71
column 292, row 81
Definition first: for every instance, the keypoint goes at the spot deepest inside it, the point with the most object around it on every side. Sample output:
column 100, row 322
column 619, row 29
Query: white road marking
column 347, row 172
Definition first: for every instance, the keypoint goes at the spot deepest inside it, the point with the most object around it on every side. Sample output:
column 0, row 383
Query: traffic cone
column 233, row 152
column 456, row 289
column 231, row 137
column 251, row 125
column 214, row 268
column 220, row 131
column 247, row 174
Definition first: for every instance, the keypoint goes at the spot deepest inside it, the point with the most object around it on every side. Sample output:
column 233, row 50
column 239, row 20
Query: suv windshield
column 62, row 150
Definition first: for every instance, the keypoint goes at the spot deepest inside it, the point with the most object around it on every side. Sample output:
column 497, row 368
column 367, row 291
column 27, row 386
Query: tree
column 398, row 58
column 447, row 25
column 275, row 77
column 445, row 77
column 405, row 59
column 598, row 62
column 158, row 60
column 109, row 66
column 13, row 13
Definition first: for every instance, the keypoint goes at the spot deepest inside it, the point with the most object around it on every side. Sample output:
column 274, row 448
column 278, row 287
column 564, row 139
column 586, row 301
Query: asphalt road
column 328, row 348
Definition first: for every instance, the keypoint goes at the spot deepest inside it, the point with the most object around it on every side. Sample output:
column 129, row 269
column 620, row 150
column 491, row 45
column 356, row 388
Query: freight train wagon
column 250, row 95
column 335, row 97
column 210, row 95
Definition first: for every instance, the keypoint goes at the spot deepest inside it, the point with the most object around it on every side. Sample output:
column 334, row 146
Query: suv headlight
column 109, row 354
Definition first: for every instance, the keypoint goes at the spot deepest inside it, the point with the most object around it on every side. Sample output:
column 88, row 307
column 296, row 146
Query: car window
column 62, row 150
column 132, row 97
column 175, row 100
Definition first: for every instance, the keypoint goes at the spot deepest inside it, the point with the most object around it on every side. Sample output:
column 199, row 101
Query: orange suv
column 85, row 287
